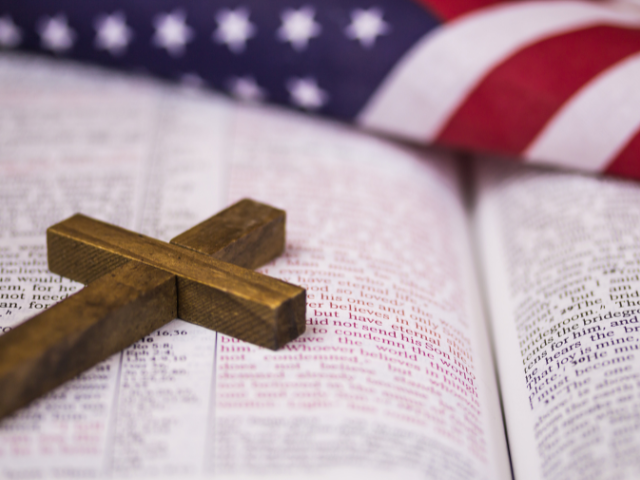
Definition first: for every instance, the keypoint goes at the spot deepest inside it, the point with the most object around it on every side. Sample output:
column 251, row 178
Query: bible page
column 393, row 375
column 561, row 255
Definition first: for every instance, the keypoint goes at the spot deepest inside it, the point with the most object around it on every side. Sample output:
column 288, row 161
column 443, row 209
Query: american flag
column 554, row 82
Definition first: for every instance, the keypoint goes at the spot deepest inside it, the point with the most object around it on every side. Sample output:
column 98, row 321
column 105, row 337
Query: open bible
column 467, row 319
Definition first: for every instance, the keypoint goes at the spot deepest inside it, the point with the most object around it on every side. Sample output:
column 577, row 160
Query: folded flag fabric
column 555, row 82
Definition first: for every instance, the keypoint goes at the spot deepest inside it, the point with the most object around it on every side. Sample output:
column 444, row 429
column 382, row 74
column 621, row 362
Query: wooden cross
column 136, row 284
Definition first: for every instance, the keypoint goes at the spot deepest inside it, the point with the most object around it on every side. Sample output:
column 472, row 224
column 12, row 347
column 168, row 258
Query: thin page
column 136, row 155
column 562, row 260
column 393, row 373
column 395, row 361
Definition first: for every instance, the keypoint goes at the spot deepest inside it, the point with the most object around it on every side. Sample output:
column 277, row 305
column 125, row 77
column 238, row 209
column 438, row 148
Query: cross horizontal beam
column 210, row 292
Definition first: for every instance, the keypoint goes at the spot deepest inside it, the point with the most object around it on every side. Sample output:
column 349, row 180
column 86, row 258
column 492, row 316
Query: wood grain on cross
column 136, row 284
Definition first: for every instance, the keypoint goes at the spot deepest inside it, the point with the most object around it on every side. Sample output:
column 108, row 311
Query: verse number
column 171, row 333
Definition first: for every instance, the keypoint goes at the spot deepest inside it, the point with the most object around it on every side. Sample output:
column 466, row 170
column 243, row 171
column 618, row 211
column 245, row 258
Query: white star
column 246, row 89
column 192, row 80
column 172, row 32
column 306, row 94
column 55, row 34
column 10, row 35
column 366, row 25
column 112, row 33
column 298, row 27
column 234, row 29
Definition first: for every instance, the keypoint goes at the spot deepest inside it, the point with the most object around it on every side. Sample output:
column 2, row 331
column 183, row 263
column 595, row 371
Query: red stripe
column 511, row 105
column 450, row 9
column 627, row 163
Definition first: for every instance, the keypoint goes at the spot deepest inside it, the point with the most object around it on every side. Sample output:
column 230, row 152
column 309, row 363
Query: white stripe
column 434, row 77
column 596, row 123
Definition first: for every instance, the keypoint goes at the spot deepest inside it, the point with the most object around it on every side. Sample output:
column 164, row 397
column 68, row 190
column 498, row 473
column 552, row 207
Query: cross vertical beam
column 137, row 284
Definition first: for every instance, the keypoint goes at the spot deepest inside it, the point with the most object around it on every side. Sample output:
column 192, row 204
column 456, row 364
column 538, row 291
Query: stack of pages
column 464, row 318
